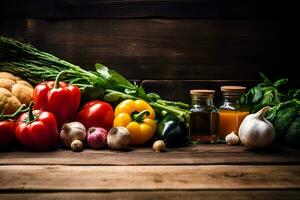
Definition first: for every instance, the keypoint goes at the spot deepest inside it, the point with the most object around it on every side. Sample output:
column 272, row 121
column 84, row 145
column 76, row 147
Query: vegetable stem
column 58, row 77
column 183, row 115
column 15, row 114
column 30, row 112
column 140, row 116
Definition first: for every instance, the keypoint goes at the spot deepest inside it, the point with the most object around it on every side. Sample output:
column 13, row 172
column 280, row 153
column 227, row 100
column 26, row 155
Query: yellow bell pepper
column 138, row 117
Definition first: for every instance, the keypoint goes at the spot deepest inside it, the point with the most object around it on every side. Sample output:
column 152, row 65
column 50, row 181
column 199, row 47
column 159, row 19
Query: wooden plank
column 193, row 155
column 198, row 49
column 112, row 178
column 179, row 90
column 139, row 9
column 163, row 195
column 166, row 88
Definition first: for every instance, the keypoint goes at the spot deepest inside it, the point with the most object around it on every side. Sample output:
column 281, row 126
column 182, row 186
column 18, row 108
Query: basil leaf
column 265, row 79
column 267, row 97
column 257, row 94
column 280, row 82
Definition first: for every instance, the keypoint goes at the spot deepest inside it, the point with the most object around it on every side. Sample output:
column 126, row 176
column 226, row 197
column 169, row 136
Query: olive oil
column 204, row 127
column 204, row 118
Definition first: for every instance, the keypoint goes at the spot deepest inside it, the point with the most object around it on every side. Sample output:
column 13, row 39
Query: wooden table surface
column 193, row 172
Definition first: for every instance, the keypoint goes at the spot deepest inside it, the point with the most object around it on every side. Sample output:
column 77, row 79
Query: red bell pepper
column 58, row 98
column 96, row 114
column 37, row 130
column 7, row 128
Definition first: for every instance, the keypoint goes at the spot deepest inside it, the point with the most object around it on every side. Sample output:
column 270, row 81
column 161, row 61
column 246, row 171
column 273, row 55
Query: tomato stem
column 58, row 78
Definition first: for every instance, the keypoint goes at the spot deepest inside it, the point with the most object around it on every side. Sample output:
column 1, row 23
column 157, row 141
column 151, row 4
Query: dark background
column 168, row 46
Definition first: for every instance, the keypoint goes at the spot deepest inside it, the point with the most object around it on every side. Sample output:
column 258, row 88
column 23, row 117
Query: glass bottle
column 204, row 117
column 231, row 112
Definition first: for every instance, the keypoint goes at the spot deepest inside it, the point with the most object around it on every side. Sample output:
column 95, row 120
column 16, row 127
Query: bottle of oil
column 231, row 111
column 204, row 117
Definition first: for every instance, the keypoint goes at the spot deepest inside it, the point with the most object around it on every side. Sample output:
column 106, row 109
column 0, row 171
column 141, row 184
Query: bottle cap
column 232, row 88
column 202, row 92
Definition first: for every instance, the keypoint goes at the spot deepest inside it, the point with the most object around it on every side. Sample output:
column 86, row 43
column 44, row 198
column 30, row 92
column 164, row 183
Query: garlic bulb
column 118, row 138
column 232, row 139
column 72, row 135
column 255, row 131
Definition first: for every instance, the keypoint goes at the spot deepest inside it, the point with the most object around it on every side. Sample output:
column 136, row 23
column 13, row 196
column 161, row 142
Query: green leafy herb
column 285, row 111
column 36, row 66
column 265, row 93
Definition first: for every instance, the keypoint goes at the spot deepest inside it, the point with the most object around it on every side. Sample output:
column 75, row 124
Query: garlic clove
column 232, row 139
column 159, row 146
column 77, row 145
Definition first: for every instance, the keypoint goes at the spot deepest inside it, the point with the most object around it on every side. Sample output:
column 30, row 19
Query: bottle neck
column 202, row 101
column 231, row 100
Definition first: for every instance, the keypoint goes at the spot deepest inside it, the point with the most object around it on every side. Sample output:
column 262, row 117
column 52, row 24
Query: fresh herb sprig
column 36, row 66
column 285, row 111
column 265, row 93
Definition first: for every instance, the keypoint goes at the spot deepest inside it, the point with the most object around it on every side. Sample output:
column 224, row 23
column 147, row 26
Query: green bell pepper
column 172, row 131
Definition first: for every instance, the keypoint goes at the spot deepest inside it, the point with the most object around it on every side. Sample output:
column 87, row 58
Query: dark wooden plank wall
column 140, row 9
column 181, row 42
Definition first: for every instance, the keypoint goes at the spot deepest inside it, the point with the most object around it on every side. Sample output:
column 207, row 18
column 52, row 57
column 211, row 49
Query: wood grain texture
column 198, row 49
column 179, row 90
column 112, row 178
column 139, row 9
column 193, row 155
column 163, row 195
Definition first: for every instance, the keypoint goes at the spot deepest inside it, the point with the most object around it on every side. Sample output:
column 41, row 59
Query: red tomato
column 7, row 133
column 96, row 114
column 8, row 125
column 37, row 130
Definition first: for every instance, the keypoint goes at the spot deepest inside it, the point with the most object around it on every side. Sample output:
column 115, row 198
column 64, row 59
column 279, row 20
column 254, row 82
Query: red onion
column 96, row 137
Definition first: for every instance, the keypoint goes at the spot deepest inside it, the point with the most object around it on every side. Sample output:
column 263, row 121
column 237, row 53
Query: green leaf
column 257, row 94
column 243, row 99
column 267, row 97
column 91, row 93
column 141, row 92
column 266, row 88
column 294, row 94
column 103, row 70
column 280, row 82
column 271, row 114
column 277, row 96
column 114, row 78
column 265, row 79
